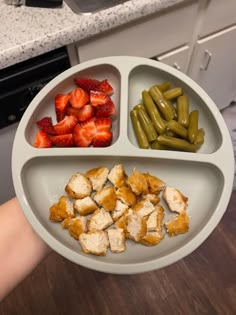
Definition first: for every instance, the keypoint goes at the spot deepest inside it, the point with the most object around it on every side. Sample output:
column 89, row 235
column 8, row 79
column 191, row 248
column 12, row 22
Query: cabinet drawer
column 145, row 38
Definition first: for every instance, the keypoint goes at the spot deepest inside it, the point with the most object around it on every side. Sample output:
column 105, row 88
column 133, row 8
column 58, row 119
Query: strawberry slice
column 90, row 127
column 98, row 98
column 81, row 136
column 42, row 140
column 66, row 125
column 102, row 139
column 61, row 102
column 103, row 124
column 82, row 114
column 46, row 125
column 87, row 84
column 78, row 98
column 106, row 88
column 63, row 140
column 106, row 110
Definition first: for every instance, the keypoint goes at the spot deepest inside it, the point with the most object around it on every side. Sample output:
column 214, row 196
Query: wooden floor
column 202, row 283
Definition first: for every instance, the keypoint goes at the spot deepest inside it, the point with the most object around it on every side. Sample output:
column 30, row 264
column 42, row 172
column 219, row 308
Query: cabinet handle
column 208, row 56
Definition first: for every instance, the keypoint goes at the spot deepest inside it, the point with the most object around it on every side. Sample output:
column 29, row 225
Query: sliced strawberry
column 106, row 110
column 102, row 139
column 42, row 140
column 83, row 114
column 66, row 125
column 81, row 136
column 78, row 98
column 103, row 124
column 61, row 102
column 63, row 140
column 46, row 125
column 105, row 87
column 90, row 126
column 98, row 98
column 87, row 84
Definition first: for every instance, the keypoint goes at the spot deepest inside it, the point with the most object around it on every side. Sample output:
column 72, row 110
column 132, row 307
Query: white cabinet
column 213, row 66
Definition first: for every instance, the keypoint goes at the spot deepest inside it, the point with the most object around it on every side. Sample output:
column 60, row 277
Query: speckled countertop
column 26, row 32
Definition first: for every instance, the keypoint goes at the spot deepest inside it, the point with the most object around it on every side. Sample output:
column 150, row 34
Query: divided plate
column 205, row 177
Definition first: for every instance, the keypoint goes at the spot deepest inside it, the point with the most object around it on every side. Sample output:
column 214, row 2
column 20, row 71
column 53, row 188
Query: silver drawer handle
column 207, row 62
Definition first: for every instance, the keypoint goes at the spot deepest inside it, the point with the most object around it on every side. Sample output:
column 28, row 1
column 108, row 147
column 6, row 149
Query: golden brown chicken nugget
column 117, row 175
column 79, row 186
column 155, row 185
column 117, row 240
column 95, row 242
column 97, row 177
column 106, row 198
column 178, row 225
column 61, row 210
column 138, row 183
column 126, row 195
column 175, row 200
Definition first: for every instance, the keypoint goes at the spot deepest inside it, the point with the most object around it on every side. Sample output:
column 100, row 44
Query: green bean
column 138, row 130
column 170, row 133
column 162, row 104
column 177, row 144
column 172, row 108
column 177, row 129
column 136, row 107
column 200, row 137
column 173, row 93
column 157, row 146
column 193, row 126
column 153, row 112
column 183, row 110
column 147, row 124
column 163, row 86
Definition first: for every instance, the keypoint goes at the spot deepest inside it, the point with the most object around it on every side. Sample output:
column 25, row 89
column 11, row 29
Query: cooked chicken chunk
column 76, row 226
column 136, row 227
column 117, row 175
column 85, row 206
column 155, row 185
column 100, row 220
column 178, row 225
column 143, row 208
column 79, row 186
column 106, row 198
column 138, row 183
column 117, row 240
column 97, row 177
column 121, row 223
column 61, row 210
column 119, row 210
column 152, row 238
column 126, row 195
column 153, row 198
column 155, row 219
column 95, row 242
column 175, row 200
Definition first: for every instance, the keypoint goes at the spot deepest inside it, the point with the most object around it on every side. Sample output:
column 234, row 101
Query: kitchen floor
column 202, row 283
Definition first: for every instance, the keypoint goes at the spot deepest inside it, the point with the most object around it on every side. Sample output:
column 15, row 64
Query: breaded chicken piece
column 155, row 185
column 85, row 205
column 61, row 210
column 95, row 242
column 136, row 227
column 153, row 198
column 152, row 238
column 126, row 195
column 121, row 223
column 117, row 240
column 175, row 200
column 99, row 220
column 138, row 183
column 178, row 225
column 143, row 208
column 117, row 175
column 97, row 177
column 76, row 226
column 106, row 198
column 119, row 210
column 79, row 186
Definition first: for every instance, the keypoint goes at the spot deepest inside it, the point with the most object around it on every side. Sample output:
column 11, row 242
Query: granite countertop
column 26, row 32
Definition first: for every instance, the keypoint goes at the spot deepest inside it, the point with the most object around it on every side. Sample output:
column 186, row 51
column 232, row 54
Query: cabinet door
column 213, row 66
column 177, row 58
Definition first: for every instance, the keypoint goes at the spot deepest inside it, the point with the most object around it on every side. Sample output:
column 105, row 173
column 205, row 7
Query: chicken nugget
column 97, row 177
column 117, row 240
column 61, row 210
column 119, row 210
column 106, row 198
column 138, row 183
column 178, row 225
column 79, row 186
column 117, row 175
column 175, row 200
column 95, row 242
column 76, row 226
column 155, row 185
column 136, row 227
column 100, row 220
column 85, row 206
column 143, row 208
column 126, row 195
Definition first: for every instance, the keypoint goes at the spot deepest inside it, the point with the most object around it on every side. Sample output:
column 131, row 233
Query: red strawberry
column 90, row 127
column 106, row 110
column 87, row 84
column 61, row 102
column 78, row 98
column 66, row 125
column 105, row 87
column 82, row 114
column 103, row 124
column 81, row 137
column 102, row 139
column 42, row 140
column 63, row 140
column 98, row 98
column 46, row 125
